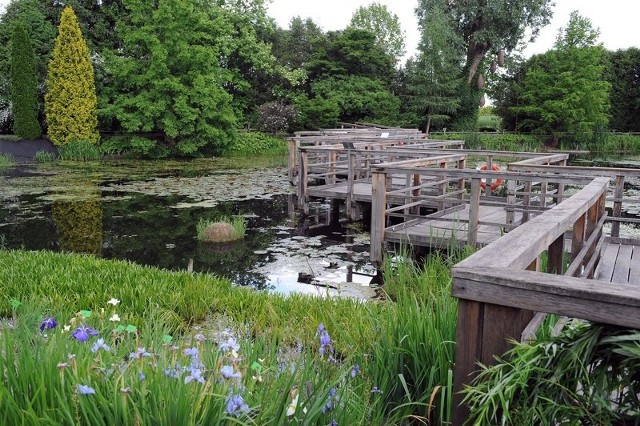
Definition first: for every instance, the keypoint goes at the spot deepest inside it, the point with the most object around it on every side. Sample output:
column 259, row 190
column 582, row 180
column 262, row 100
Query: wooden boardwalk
column 620, row 262
column 453, row 228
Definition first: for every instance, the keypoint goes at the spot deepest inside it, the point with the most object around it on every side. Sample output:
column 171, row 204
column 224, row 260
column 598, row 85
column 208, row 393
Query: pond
column 147, row 213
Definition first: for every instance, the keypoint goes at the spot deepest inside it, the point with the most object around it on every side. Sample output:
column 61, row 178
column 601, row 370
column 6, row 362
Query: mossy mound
column 219, row 232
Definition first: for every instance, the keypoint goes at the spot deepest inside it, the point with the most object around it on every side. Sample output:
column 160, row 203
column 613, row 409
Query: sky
column 616, row 19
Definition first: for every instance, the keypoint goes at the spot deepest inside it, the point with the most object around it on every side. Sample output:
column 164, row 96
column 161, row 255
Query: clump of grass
column 45, row 157
column 587, row 375
column 79, row 151
column 222, row 230
column 5, row 160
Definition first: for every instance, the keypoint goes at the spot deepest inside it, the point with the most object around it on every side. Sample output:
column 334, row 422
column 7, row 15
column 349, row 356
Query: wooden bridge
column 535, row 207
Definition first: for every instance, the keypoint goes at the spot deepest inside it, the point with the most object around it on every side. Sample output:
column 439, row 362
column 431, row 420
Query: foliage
column 45, row 157
column 24, row 89
column 275, row 117
column 168, row 79
column 618, row 143
column 257, row 143
column 71, row 101
column 5, row 160
column 623, row 73
column 497, row 142
column 377, row 19
column 491, row 123
column 488, row 28
column 238, row 223
column 359, row 98
column 587, row 374
column 563, row 91
column 389, row 362
column 433, row 78
column 79, row 151
column 317, row 113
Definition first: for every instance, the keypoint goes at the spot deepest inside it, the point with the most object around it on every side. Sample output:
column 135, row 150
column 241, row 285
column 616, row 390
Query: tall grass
column 387, row 362
column 79, row 151
column 45, row 157
column 5, row 160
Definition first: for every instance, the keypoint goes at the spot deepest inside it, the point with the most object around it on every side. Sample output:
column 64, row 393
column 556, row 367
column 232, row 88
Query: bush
column 496, row 142
column 317, row 113
column 70, row 101
column 134, row 146
column 275, row 117
column 24, row 90
column 223, row 230
column 257, row 143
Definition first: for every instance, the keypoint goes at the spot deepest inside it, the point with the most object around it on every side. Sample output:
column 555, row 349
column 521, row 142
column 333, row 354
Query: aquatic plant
column 222, row 230
column 79, row 151
column 5, row 160
column 45, row 157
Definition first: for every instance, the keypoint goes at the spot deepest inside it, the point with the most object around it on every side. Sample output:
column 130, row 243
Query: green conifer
column 24, row 91
column 71, row 101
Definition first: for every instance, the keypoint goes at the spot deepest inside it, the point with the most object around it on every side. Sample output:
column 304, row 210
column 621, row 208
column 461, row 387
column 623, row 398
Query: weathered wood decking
column 541, row 209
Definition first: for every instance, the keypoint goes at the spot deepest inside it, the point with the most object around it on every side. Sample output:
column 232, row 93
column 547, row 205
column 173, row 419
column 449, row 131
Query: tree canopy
column 384, row 24
column 24, row 89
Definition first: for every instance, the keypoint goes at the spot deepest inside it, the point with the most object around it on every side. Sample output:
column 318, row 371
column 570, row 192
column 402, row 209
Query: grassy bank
column 274, row 360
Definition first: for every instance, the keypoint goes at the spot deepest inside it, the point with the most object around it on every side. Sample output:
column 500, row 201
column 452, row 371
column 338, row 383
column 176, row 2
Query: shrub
column 24, row 91
column 496, row 142
column 70, row 101
column 257, row 143
column 275, row 117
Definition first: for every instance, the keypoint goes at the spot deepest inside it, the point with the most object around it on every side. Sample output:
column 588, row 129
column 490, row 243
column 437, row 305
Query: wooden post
column 462, row 164
column 526, row 202
column 417, row 181
column 511, row 200
column 617, row 205
column 578, row 236
column 543, row 193
column 442, row 191
column 332, row 167
column 474, row 212
column 488, row 181
column 293, row 145
column 351, row 177
column 303, row 197
column 378, row 214
column 555, row 255
column 560, row 193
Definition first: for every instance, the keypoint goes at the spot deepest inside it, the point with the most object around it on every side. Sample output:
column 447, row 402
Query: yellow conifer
column 71, row 101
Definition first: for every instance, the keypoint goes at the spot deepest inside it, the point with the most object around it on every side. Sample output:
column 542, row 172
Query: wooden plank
column 474, row 211
column 617, row 304
column 617, row 205
column 622, row 266
column 378, row 218
column 607, row 262
column 634, row 270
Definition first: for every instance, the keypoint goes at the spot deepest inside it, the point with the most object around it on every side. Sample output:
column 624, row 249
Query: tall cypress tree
column 71, row 102
column 24, row 91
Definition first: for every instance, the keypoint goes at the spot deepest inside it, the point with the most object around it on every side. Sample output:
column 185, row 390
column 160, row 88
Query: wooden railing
column 500, row 287
column 523, row 196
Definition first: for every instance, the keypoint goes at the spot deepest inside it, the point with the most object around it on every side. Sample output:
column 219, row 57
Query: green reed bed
column 123, row 349
column 5, row 160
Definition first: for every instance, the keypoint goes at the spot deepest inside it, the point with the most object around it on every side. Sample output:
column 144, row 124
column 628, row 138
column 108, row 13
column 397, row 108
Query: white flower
column 113, row 301
column 114, row 318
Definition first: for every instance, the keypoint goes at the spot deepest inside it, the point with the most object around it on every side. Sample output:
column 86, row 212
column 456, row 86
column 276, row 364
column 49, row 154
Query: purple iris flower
column 236, row 405
column 354, row 371
column 192, row 352
column 48, row 323
column 332, row 397
column 83, row 333
column 99, row 344
column 195, row 374
column 139, row 353
column 230, row 344
column 228, row 373
column 86, row 390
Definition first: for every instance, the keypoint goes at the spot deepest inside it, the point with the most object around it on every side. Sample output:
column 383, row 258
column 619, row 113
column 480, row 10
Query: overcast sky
column 616, row 19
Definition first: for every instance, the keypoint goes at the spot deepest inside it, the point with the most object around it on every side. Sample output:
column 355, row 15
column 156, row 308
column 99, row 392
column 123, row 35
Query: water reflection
column 79, row 225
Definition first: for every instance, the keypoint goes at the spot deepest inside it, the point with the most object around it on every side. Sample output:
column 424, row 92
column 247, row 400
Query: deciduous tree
column 384, row 24
column 623, row 73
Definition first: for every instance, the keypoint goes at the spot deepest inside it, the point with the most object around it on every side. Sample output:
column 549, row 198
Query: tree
column 70, row 101
column 377, row 19
column 623, row 73
column 167, row 80
column 434, row 76
column 563, row 90
column 24, row 88
column 488, row 27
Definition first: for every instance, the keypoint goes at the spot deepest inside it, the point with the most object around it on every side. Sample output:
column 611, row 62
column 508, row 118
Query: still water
column 147, row 213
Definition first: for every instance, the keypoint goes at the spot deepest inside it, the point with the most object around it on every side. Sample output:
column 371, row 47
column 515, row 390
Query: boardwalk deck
column 620, row 263
column 453, row 227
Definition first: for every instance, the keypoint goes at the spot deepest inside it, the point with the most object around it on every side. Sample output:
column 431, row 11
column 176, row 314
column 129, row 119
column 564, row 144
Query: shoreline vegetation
column 327, row 359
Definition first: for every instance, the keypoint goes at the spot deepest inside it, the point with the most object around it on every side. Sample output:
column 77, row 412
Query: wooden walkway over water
column 535, row 207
